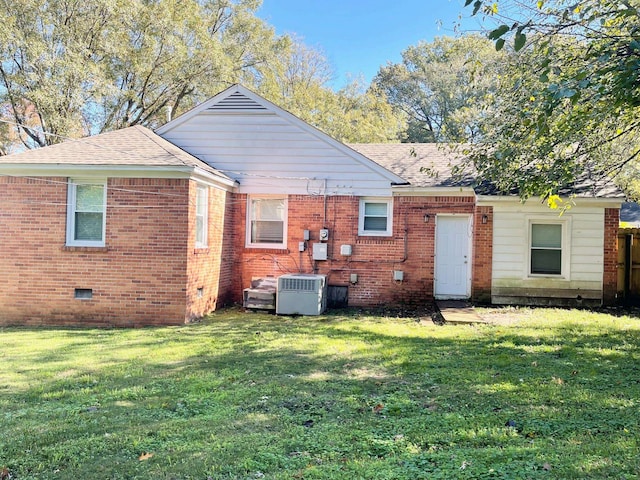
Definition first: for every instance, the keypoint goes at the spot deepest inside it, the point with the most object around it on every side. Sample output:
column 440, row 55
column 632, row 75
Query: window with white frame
column 202, row 216
column 267, row 222
column 546, row 256
column 86, row 213
column 375, row 217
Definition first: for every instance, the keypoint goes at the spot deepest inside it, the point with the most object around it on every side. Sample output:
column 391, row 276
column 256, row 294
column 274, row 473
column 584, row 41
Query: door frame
column 468, row 275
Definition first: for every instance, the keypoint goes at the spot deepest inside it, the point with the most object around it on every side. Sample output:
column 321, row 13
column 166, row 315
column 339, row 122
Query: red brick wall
column 151, row 273
column 210, row 269
column 610, row 276
column 138, row 278
column 482, row 255
column 410, row 248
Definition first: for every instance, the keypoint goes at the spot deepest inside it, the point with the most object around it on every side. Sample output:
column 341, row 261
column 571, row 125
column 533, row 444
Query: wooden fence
column 629, row 265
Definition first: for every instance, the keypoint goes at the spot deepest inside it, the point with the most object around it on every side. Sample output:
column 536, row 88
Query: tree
column 70, row 68
column 569, row 107
column 94, row 65
column 297, row 79
column 440, row 86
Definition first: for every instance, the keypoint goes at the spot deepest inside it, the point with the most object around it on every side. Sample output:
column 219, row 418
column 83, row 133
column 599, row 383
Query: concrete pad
column 458, row 311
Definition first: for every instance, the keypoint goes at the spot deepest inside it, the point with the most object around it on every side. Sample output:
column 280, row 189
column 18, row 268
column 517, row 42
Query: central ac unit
column 301, row 294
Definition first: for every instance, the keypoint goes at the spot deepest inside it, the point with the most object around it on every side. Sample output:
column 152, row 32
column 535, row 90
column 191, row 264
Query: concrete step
column 458, row 311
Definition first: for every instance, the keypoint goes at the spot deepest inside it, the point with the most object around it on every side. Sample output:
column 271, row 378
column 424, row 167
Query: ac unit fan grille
column 298, row 284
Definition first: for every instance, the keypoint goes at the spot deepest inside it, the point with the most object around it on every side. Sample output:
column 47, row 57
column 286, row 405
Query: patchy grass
column 543, row 394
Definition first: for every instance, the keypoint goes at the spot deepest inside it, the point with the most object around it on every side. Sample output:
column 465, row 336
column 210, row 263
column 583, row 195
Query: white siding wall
column 585, row 228
column 266, row 153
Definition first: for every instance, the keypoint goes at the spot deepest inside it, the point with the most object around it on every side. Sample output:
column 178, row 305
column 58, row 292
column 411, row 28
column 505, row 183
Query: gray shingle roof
column 421, row 164
column 132, row 146
column 433, row 165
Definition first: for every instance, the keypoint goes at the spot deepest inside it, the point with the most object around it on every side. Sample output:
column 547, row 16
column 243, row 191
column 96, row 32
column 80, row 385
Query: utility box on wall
column 320, row 251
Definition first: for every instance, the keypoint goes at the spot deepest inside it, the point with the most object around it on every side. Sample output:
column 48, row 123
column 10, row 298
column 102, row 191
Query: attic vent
column 236, row 102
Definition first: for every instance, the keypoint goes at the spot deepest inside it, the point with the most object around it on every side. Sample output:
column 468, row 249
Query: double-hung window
column 202, row 216
column 86, row 213
column 267, row 222
column 375, row 217
column 546, row 255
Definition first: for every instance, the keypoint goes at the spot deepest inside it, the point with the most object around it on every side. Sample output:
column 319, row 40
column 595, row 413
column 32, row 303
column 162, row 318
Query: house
column 135, row 227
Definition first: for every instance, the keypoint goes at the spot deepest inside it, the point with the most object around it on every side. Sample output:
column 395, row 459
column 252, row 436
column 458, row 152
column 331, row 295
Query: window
column 202, row 216
column 375, row 217
column 546, row 249
column 267, row 222
column 86, row 213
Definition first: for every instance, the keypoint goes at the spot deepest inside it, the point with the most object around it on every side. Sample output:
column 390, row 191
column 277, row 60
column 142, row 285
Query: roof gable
column 267, row 149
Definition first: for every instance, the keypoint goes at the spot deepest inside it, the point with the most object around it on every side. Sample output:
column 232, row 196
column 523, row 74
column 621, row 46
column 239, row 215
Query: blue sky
column 358, row 36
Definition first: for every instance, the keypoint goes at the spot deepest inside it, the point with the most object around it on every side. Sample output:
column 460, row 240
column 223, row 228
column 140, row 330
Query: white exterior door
column 453, row 257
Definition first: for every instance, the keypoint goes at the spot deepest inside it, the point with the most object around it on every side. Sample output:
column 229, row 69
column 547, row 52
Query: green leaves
column 568, row 91
column 442, row 86
column 498, row 32
column 519, row 41
column 477, row 5
column 73, row 67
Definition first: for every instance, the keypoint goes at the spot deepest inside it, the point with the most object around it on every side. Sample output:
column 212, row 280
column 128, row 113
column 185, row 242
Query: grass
column 543, row 394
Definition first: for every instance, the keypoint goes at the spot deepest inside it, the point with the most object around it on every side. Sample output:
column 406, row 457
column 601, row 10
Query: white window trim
column 204, row 241
column 71, row 211
column 277, row 246
column 369, row 233
column 565, row 265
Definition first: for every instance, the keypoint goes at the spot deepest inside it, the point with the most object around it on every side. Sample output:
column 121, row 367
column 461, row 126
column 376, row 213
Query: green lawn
column 543, row 394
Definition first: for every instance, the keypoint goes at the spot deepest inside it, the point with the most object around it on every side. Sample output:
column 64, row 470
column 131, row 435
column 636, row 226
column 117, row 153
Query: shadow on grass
column 241, row 396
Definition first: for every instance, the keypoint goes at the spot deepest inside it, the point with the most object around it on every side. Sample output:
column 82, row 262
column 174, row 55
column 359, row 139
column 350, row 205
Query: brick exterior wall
column 610, row 275
column 151, row 273
column 411, row 248
column 210, row 270
column 482, row 255
column 139, row 278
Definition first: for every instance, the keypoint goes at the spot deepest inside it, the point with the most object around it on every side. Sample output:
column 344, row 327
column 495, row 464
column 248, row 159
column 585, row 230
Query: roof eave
column 612, row 202
column 452, row 191
column 122, row 171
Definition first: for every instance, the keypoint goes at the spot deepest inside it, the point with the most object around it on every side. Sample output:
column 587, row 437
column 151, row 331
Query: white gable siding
column 585, row 228
column 266, row 153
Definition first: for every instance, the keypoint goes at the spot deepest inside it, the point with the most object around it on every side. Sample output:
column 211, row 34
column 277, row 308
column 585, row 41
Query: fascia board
column 409, row 190
column 488, row 200
column 120, row 171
